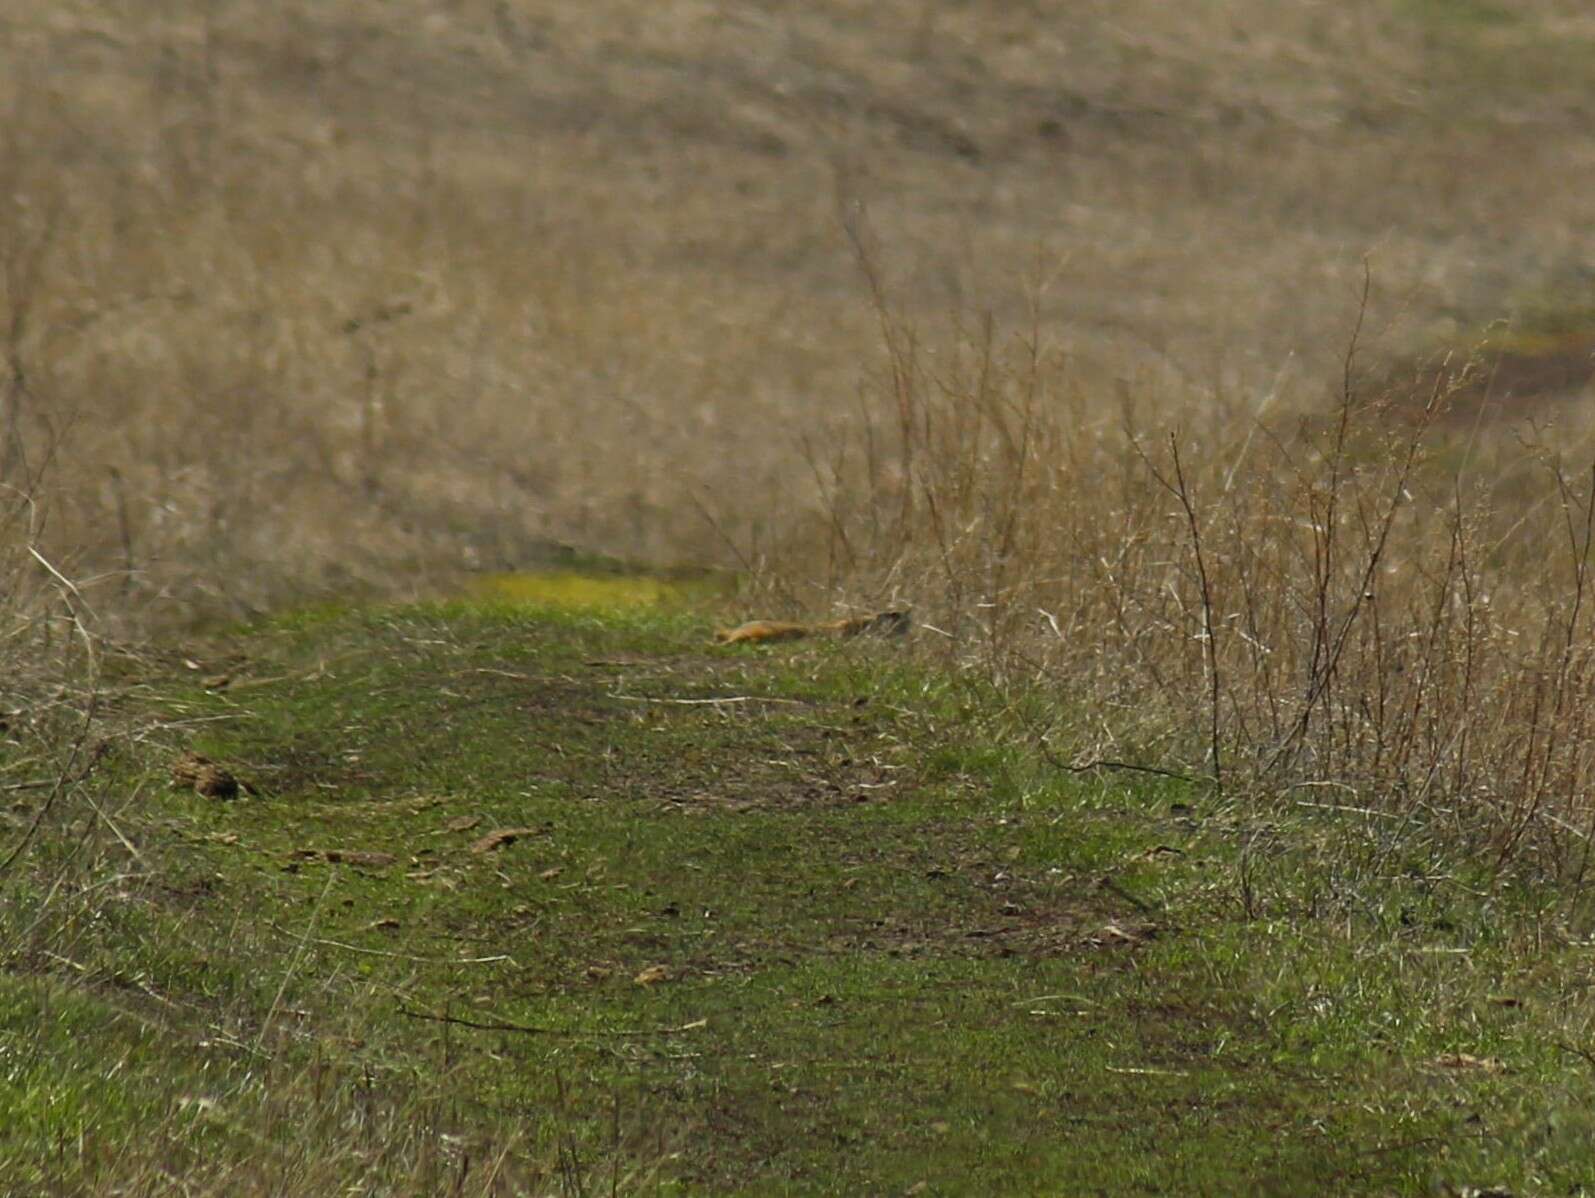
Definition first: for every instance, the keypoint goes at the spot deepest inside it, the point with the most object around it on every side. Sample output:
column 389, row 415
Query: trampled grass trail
column 542, row 893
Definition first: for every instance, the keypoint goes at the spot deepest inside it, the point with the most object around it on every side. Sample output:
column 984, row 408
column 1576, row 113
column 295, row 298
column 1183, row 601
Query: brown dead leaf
column 598, row 973
column 653, row 975
column 501, row 837
column 548, row 875
column 386, row 924
column 462, row 823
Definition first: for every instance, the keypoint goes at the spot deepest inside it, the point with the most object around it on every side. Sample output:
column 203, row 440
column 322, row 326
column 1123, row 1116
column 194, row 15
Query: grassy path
column 770, row 921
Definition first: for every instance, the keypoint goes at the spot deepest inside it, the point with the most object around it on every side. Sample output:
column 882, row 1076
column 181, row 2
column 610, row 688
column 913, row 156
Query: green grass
column 889, row 948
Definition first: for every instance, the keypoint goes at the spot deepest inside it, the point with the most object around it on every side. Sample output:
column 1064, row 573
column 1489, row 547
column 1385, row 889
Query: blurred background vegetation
column 298, row 296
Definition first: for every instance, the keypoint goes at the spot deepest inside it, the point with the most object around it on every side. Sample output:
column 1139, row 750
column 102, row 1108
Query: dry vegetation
column 1364, row 601
column 302, row 298
column 1107, row 336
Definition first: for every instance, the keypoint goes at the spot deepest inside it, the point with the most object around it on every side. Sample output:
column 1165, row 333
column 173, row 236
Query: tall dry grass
column 1368, row 604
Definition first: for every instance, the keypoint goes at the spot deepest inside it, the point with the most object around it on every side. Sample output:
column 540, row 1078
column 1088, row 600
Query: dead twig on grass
column 1583, row 1054
column 1103, row 763
column 707, row 702
column 499, row 1025
column 293, row 965
column 36, row 784
column 382, row 952
column 71, row 775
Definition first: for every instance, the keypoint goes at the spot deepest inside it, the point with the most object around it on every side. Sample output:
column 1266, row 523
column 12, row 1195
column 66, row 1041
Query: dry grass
column 300, row 299
column 1369, row 604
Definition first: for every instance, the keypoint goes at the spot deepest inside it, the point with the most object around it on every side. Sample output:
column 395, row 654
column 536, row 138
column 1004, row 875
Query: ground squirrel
column 195, row 770
column 884, row 623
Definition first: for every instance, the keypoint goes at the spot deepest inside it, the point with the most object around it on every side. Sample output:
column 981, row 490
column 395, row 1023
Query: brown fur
column 195, row 770
column 885, row 623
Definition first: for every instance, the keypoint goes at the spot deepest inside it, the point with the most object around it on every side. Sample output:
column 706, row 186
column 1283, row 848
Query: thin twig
column 1113, row 886
column 65, row 779
column 1182, row 492
column 1103, row 763
column 265, row 1024
column 67, row 583
column 382, row 952
column 37, row 784
column 1341, row 807
column 111, row 824
column 498, row 1025
column 708, row 702
column 1583, row 1054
